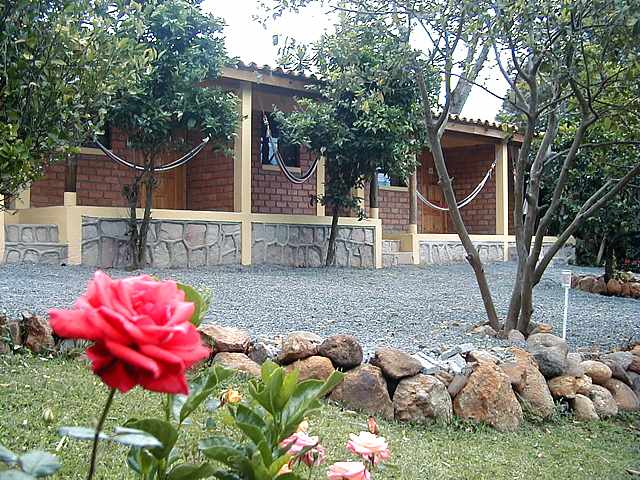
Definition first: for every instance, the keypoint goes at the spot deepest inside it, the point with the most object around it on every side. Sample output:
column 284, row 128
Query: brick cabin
column 247, row 183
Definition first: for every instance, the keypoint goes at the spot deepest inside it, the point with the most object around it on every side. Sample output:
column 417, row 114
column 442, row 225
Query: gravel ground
column 409, row 307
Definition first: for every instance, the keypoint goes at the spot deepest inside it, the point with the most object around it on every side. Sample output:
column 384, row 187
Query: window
column 290, row 153
column 385, row 180
column 104, row 139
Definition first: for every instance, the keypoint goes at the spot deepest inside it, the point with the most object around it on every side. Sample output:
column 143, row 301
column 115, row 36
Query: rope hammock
column 280, row 161
column 163, row 168
column 467, row 200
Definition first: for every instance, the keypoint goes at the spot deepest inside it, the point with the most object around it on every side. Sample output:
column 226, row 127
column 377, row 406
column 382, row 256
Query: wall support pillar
column 23, row 200
column 2, row 237
column 320, row 179
column 242, row 170
column 413, row 203
column 502, row 195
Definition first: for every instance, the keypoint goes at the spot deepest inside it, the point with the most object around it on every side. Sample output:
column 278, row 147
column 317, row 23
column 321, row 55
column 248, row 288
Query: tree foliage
column 63, row 61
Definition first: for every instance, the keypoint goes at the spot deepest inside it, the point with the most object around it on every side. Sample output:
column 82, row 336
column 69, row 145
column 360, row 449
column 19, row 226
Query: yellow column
column 72, row 233
column 242, row 170
column 378, row 243
column 502, row 194
column 2, row 240
column 413, row 203
column 70, row 199
column 23, row 200
column 320, row 179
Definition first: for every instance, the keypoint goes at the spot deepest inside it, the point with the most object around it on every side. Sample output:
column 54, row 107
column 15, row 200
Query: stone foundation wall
column 171, row 243
column 31, row 243
column 306, row 245
column 565, row 255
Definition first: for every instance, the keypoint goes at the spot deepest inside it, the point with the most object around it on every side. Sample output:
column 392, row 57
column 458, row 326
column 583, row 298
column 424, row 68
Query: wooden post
column 502, row 195
column 320, row 179
column 374, row 211
column 413, row 203
column 242, row 170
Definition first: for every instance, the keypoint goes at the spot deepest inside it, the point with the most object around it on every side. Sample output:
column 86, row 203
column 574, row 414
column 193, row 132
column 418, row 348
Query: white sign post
column 565, row 279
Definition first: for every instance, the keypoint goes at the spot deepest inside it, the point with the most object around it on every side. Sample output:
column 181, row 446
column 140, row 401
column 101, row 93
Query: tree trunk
column 601, row 250
column 331, row 249
column 131, row 193
column 150, row 183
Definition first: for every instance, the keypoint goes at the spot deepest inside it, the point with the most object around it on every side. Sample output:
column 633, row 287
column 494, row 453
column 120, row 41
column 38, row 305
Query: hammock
column 279, row 160
column 163, row 168
column 467, row 200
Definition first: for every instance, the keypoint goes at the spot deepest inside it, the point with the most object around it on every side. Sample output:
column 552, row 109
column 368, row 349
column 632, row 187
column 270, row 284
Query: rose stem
column 96, row 438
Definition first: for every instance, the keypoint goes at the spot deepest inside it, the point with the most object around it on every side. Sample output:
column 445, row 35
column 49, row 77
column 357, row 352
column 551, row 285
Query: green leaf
column 162, row 431
column 193, row 295
column 135, row 438
column 39, row 464
column 288, row 387
column 189, row 471
column 7, row 456
column 80, row 433
column 202, row 388
column 227, row 452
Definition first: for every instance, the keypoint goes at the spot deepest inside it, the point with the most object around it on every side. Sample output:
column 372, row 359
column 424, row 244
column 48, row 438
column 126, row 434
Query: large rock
column 364, row 389
column 567, row 386
column 635, row 382
column 299, row 345
column 550, row 353
column 603, row 402
column 422, row 399
column 574, row 367
column 238, row 361
column 583, row 409
column 515, row 337
column 598, row 371
column 225, row 339
column 618, row 362
column 488, row 397
column 316, row 367
column 343, row 350
column 38, row 334
column 614, row 287
column 634, row 366
column 586, row 283
column 541, row 328
column 625, row 398
column 265, row 349
column 396, row 364
column 599, row 286
column 530, row 385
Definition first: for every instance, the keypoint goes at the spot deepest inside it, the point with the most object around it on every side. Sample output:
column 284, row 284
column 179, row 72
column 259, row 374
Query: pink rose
column 141, row 329
column 348, row 471
column 300, row 441
column 369, row 446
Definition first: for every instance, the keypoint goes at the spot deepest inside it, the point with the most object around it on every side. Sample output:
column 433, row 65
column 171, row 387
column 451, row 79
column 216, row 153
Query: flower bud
column 231, row 396
column 48, row 416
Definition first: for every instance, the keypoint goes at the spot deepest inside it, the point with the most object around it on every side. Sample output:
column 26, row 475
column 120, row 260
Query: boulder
column 598, row 371
column 583, row 409
column 617, row 370
column 422, row 399
column 225, row 339
column 445, row 377
column 457, row 384
column 37, row 333
column 573, row 365
column 530, row 385
column 299, row 345
column 586, row 283
column 603, row 402
column 264, row 349
column 614, row 287
column 625, row 398
column 550, row 353
column 396, row 364
column 343, row 350
column 238, row 361
column 634, row 366
column 488, row 397
column 599, row 286
column 481, row 356
column 316, row 367
column 567, row 386
column 626, row 290
column 484, row 331
column 515, row 337
column 364, row 389
column 15, row 332
column 635, row 382
column 541, row 328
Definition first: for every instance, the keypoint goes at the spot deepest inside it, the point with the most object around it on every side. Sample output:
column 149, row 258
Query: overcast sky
column 249, row 41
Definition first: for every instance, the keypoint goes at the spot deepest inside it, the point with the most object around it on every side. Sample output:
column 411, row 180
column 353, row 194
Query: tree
column 62, row 62
column 364, row 117
column 171, row 99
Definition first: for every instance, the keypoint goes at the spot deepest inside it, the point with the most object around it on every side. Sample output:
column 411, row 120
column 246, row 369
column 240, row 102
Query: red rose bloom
column 141, row 329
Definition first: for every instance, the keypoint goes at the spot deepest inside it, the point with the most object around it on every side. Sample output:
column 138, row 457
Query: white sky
column 249, row 41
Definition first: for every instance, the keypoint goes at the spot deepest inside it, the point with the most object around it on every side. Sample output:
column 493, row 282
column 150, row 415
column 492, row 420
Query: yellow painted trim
column 276, row 168
column 377, row 237
column 70, row 199
column 483, row 131
column 394, row 189
column 412, row 228
column 374, row 213
column 23, row 200
column 2, row 238
column 92, row 151
column 502, row 189
column 320, row 179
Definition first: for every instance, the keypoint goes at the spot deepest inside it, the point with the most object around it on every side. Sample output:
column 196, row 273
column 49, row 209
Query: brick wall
column 100, row 181
column 468, row 165
column 210, row 181
column 49, row 190
column 394, row 210
column 271, row 192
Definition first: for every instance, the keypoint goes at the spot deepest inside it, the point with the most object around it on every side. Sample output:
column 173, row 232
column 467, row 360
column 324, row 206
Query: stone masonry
column 30, row 243
column 306, row 245
column 171, row 243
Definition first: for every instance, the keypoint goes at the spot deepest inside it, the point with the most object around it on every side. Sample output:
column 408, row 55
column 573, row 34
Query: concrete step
column 31, row 233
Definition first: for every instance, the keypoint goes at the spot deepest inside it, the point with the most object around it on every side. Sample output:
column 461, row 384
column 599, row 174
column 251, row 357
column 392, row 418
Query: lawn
column 560, row 449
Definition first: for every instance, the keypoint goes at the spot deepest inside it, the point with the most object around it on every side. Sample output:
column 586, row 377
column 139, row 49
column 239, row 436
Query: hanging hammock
column 280, row 161
column 467, row 200
column 163, row 168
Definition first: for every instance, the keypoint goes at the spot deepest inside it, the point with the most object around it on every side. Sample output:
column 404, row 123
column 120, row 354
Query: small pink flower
column 348, row 471
column 300, row 441
column 369, row 446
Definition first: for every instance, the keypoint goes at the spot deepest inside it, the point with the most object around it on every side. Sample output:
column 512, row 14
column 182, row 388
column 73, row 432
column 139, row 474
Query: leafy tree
column 364, row 117
column 62, row 62
column 171, row 99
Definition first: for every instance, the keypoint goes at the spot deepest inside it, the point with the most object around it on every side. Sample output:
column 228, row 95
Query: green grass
column 562, row 449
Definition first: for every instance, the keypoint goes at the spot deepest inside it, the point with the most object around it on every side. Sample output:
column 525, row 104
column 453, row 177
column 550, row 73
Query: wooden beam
column 242, row 170
column 320, row 180
column 265, row 78
column 413, row 203
column 374, row 191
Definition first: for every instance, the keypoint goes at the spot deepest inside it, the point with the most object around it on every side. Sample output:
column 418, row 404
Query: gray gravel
column 409, row 307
